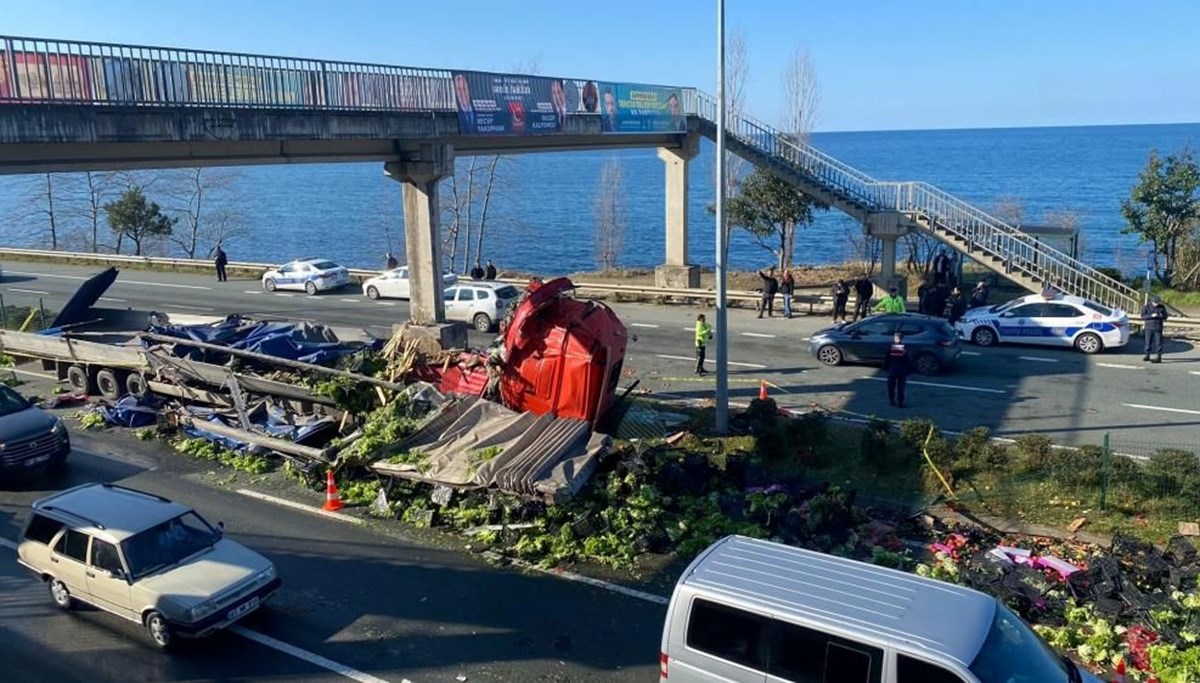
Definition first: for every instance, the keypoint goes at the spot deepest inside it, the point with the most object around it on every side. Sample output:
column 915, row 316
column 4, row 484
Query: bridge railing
column 37, row 71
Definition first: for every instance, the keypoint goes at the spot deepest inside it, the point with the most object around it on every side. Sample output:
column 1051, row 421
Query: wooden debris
column 675, row 438
column 1189, row 529
column 1075, row 525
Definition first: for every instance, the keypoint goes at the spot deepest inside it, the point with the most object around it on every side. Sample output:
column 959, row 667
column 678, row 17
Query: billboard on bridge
column 636, row 108
column 503, row 104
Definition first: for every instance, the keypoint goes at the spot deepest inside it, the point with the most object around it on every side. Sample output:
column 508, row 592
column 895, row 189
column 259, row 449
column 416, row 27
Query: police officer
column 898, row 366
column 703, row 334
column 1153, row 316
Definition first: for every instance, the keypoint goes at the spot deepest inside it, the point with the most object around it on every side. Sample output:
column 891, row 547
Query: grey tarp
column 539, row 455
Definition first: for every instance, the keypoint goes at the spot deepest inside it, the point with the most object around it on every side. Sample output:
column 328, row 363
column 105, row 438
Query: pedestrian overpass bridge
column 75, row 106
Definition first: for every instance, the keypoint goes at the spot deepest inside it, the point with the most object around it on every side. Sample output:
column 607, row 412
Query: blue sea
column 542, row 213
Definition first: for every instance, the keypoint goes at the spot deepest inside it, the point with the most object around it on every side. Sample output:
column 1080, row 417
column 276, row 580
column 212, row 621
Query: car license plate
column 242, row 609
column 36, row 461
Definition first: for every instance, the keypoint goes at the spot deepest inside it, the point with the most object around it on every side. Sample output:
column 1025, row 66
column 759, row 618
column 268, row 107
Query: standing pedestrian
column 841, row 294
column 898, row 366
column 958, row 305
column 770, row 287
column 935, row 301
column 1154, row 314
column 703, row 334
column 892, row 303
column 863, row 289
column 220, row 261
column 923, row 295
column 477, row 271
column 941, row 268
column 787, row 286
column 979, row 295
column 489, row 273
column 390, row 262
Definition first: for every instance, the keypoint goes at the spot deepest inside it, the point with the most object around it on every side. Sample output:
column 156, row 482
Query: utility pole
column 722, row 359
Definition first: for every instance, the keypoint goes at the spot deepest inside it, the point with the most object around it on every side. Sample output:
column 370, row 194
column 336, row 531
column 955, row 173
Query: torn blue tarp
column 309, row 343
column 269, row 420
column 130, row 411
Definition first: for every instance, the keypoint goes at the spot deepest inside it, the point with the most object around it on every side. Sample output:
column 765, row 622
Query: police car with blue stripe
column 307, row 275
column 1050, row 319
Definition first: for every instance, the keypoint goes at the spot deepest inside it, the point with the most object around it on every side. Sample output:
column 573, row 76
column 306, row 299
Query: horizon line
column 977, row 128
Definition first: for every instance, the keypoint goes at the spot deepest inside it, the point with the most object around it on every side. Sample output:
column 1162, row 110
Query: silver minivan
column 754, row 611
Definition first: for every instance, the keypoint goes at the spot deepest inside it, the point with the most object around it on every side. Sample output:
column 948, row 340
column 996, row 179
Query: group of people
column 940, row 300
column 479, row 272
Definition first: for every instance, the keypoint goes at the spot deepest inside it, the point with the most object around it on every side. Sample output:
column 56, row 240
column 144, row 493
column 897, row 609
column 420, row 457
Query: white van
column 748, row 610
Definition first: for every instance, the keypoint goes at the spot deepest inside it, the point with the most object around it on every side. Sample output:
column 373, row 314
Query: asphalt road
column 1012, row 390
column 374, row 604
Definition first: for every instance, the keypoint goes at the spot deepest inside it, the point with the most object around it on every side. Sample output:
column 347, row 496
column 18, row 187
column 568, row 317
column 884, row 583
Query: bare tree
column 611, row 216
column 737, row 79
column 920, row 249
column 39, row 211
column 802, row 96
column 90, row 192
column 204, row 201
column 1010, row 210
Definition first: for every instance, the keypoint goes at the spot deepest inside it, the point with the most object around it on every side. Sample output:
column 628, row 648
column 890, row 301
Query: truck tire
column 78, row 379
column 108, row 384
column 136, row 385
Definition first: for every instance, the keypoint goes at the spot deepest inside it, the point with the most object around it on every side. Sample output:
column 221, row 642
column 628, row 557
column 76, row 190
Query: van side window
column 727, row 633
column 804, row 655
column 42, row 529
column 73, row 544
column 909, row 670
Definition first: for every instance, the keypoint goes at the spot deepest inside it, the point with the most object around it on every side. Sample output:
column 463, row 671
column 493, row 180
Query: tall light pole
column 722, row 360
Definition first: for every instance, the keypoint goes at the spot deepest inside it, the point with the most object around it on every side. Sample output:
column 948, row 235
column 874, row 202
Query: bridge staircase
column 972, row 232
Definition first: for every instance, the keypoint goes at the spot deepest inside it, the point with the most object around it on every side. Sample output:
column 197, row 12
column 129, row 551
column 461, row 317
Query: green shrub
column 875, row 443
column 1114, row 273
column 914, row 432
column 1034, row 452
column 1172, row 472
column 808, row 434
column 1076, row 468
column 975, row 451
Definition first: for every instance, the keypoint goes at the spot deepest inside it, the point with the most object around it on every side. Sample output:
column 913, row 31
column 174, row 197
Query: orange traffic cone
column 333, row 499
column 1120, row 673
column 762, row 389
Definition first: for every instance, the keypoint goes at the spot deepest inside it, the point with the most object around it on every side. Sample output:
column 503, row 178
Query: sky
column 881, row 64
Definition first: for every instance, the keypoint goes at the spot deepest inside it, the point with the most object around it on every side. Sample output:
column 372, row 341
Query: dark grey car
column 932, row 343
column 30, row 438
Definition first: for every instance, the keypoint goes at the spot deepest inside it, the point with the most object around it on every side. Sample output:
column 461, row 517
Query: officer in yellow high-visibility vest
column 703, row 334
column 892, row 303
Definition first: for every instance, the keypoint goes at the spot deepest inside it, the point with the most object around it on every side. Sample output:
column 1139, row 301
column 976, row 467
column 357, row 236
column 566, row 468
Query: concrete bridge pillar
column 675, row 271
column 888, row 227
column 420, row 171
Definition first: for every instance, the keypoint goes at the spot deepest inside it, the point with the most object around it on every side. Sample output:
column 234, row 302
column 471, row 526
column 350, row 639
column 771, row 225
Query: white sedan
column 1052, row 320
column 308, row 275
column 393, row 284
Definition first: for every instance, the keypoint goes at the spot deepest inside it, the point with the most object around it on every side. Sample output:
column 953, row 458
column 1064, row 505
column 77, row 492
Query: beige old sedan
column 143, row 558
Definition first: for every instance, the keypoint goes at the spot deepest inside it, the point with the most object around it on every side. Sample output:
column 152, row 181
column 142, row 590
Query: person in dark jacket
column 841, row 294
column 923, row 295
column 390, row 262
column 958, row 305
column 941, row 268
column 1154, row 314
column 898, row 367
column 477, row 272
column 770, row 287
column 489, row 273
column 220, row 262
column 935, row 301
column 863, row 289
column 787, row 286
column 979, row 295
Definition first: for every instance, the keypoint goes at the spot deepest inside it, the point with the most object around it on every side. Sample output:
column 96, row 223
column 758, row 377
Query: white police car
column 1050, row 319
column 309, row 275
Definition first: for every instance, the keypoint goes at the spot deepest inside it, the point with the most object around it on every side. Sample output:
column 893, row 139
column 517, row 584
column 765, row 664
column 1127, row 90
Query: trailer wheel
column 108, row 384
column 136, row 384
column 78, row 380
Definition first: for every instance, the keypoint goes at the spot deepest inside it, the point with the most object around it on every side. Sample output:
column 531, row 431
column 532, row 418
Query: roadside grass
column 1185, row 301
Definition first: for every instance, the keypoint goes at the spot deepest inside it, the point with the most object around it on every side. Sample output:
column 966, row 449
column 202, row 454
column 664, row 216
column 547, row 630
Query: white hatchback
column 1051, row 319
column 394, row 284
column 482, row 304
column 306, row 275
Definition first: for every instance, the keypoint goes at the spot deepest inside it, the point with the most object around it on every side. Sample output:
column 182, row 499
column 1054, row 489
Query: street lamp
column 722, row 359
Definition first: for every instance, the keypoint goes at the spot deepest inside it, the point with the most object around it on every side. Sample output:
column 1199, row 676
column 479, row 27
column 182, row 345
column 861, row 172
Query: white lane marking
column 746, row 365
column 1194, row 372
column 1038, row 359
column 612, row 587
column 758, row 334
column 1120, row 366
column 642, row 325
column 171, row 285
column 61, row 277
column 688, row 329
column 305, row 655
column 252, row 291
column 1162, row 408
column 351, row 301
column 299, row 506
column 805, row 338
column 943, row 386
column 112, row 300
column 32, row 373
column 189, row 308
column 8, row 544
column 284, row 294
column 971, row 353
column 26, row 291
column 385, row 303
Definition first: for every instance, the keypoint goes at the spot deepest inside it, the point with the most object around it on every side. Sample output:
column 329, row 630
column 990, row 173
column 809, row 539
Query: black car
column 931, row 342
column 30, row 438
